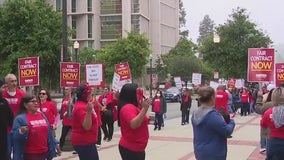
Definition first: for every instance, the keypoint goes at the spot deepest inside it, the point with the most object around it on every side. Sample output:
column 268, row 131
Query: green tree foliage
column 236, row 36
column 135, row 49
column 182, row 21
column 206, row 28
column 27, row 29
column 181, row 61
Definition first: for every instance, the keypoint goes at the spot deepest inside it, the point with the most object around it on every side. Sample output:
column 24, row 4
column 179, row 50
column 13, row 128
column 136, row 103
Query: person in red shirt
column 109, row 113
column 159, row 106
column 13, row 95
column 273, row 119
column 66, row 114
column 49, row 109
column 31, row 133
column 133, row 123
column 84, row 134
column 245, row 102
column 221, row 99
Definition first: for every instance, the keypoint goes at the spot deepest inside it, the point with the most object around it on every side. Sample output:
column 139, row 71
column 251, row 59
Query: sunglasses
column 13, row 81
column 42, row 93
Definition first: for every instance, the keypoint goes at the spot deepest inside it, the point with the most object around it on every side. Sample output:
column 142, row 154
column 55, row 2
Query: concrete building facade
column 99, row 22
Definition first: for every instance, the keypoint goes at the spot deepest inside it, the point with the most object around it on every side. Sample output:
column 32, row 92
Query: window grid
column 111, row 27
column 111, row 7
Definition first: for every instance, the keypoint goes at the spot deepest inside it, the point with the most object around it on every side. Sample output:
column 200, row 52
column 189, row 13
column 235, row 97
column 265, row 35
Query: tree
column 182, row 21
column 237, row 35
column 181, row 61
column 206, row 28
column 135, row 49
column 30, row 28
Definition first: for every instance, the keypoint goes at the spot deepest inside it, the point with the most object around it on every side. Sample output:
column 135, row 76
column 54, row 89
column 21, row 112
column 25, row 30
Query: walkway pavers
column 175, row 142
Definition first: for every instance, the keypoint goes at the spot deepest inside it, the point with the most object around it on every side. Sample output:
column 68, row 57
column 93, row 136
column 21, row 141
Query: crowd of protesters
column 28, row 122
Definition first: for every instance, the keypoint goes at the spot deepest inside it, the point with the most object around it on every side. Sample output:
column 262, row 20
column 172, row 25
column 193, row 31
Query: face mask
column 158, row 95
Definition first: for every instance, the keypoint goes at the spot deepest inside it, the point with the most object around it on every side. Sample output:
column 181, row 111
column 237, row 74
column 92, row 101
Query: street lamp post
column 151, row 73
column 76, row 46
column 216, row 40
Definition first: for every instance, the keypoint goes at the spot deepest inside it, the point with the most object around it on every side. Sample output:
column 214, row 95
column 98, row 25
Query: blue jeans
column 158, row 120
column 263, row 142
column 275, row 149
column 87, row 152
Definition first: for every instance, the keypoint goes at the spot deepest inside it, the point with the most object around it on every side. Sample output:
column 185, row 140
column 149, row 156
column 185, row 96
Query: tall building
column 96, row 23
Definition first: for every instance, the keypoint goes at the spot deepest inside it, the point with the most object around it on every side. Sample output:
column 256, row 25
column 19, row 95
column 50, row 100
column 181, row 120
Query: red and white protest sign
column 260, row 65
column 95, row 74
column 69, row 74
column 279, row 74
column 28, row 69
column 123, row 70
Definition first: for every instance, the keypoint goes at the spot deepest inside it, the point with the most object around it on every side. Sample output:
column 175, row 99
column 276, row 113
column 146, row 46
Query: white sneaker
column 262, row 150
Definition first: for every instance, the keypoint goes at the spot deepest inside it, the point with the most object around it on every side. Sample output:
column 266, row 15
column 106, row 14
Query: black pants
column 99, row 136
column 107, row 127
column 158, row 120
column 87, row 152
column 245, row 109
column 64, row 132
column 187, row 116
column 127, row 154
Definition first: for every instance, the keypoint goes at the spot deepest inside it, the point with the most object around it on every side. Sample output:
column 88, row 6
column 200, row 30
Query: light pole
column 76, row 46
column 216, row 40
column 151, row 73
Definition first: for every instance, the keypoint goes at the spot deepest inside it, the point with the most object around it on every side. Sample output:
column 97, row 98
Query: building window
column 58, row 5
column 111, row 6
column 74, row 26
column 135, row 23
column 135, row 6
column 90, row 3
column 111, row 27
column 90, row 26
column 90, row 44
column 73, row 5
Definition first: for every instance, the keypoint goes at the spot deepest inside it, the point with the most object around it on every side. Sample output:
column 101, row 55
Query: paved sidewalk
column 174, row 142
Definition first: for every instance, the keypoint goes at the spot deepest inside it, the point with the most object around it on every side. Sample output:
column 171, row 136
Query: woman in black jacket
column 185, row 107
column 6, row 121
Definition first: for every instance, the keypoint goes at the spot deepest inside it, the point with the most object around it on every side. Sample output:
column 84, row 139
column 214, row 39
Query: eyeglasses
column 33, row 101
column 42, row 93
column 13, row 80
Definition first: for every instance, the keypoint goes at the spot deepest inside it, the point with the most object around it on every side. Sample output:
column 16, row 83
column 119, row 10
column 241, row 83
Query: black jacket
column 6, row 120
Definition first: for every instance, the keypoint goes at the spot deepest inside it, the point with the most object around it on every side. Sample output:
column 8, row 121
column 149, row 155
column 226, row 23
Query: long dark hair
column 269, row 96
column 127, row 96
column 25, row 99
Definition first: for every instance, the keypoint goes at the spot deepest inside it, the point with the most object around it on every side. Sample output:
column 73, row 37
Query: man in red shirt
column 221, row 99
column 14, row 96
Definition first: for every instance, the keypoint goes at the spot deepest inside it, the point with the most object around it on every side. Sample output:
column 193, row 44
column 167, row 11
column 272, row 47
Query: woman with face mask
column 159, row 106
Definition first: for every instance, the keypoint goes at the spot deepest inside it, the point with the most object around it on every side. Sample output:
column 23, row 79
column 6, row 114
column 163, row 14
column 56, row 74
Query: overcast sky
column 267, row 14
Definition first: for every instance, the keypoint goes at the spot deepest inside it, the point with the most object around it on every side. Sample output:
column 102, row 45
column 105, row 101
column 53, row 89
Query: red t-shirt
column 66, row 121
column 80, row 136
column 157, row 105
column 38, row 134
column 221, row 100
column 267, row 122
column 14, row 101
column 50, row 111
column 133, row 139
column 245, row 97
